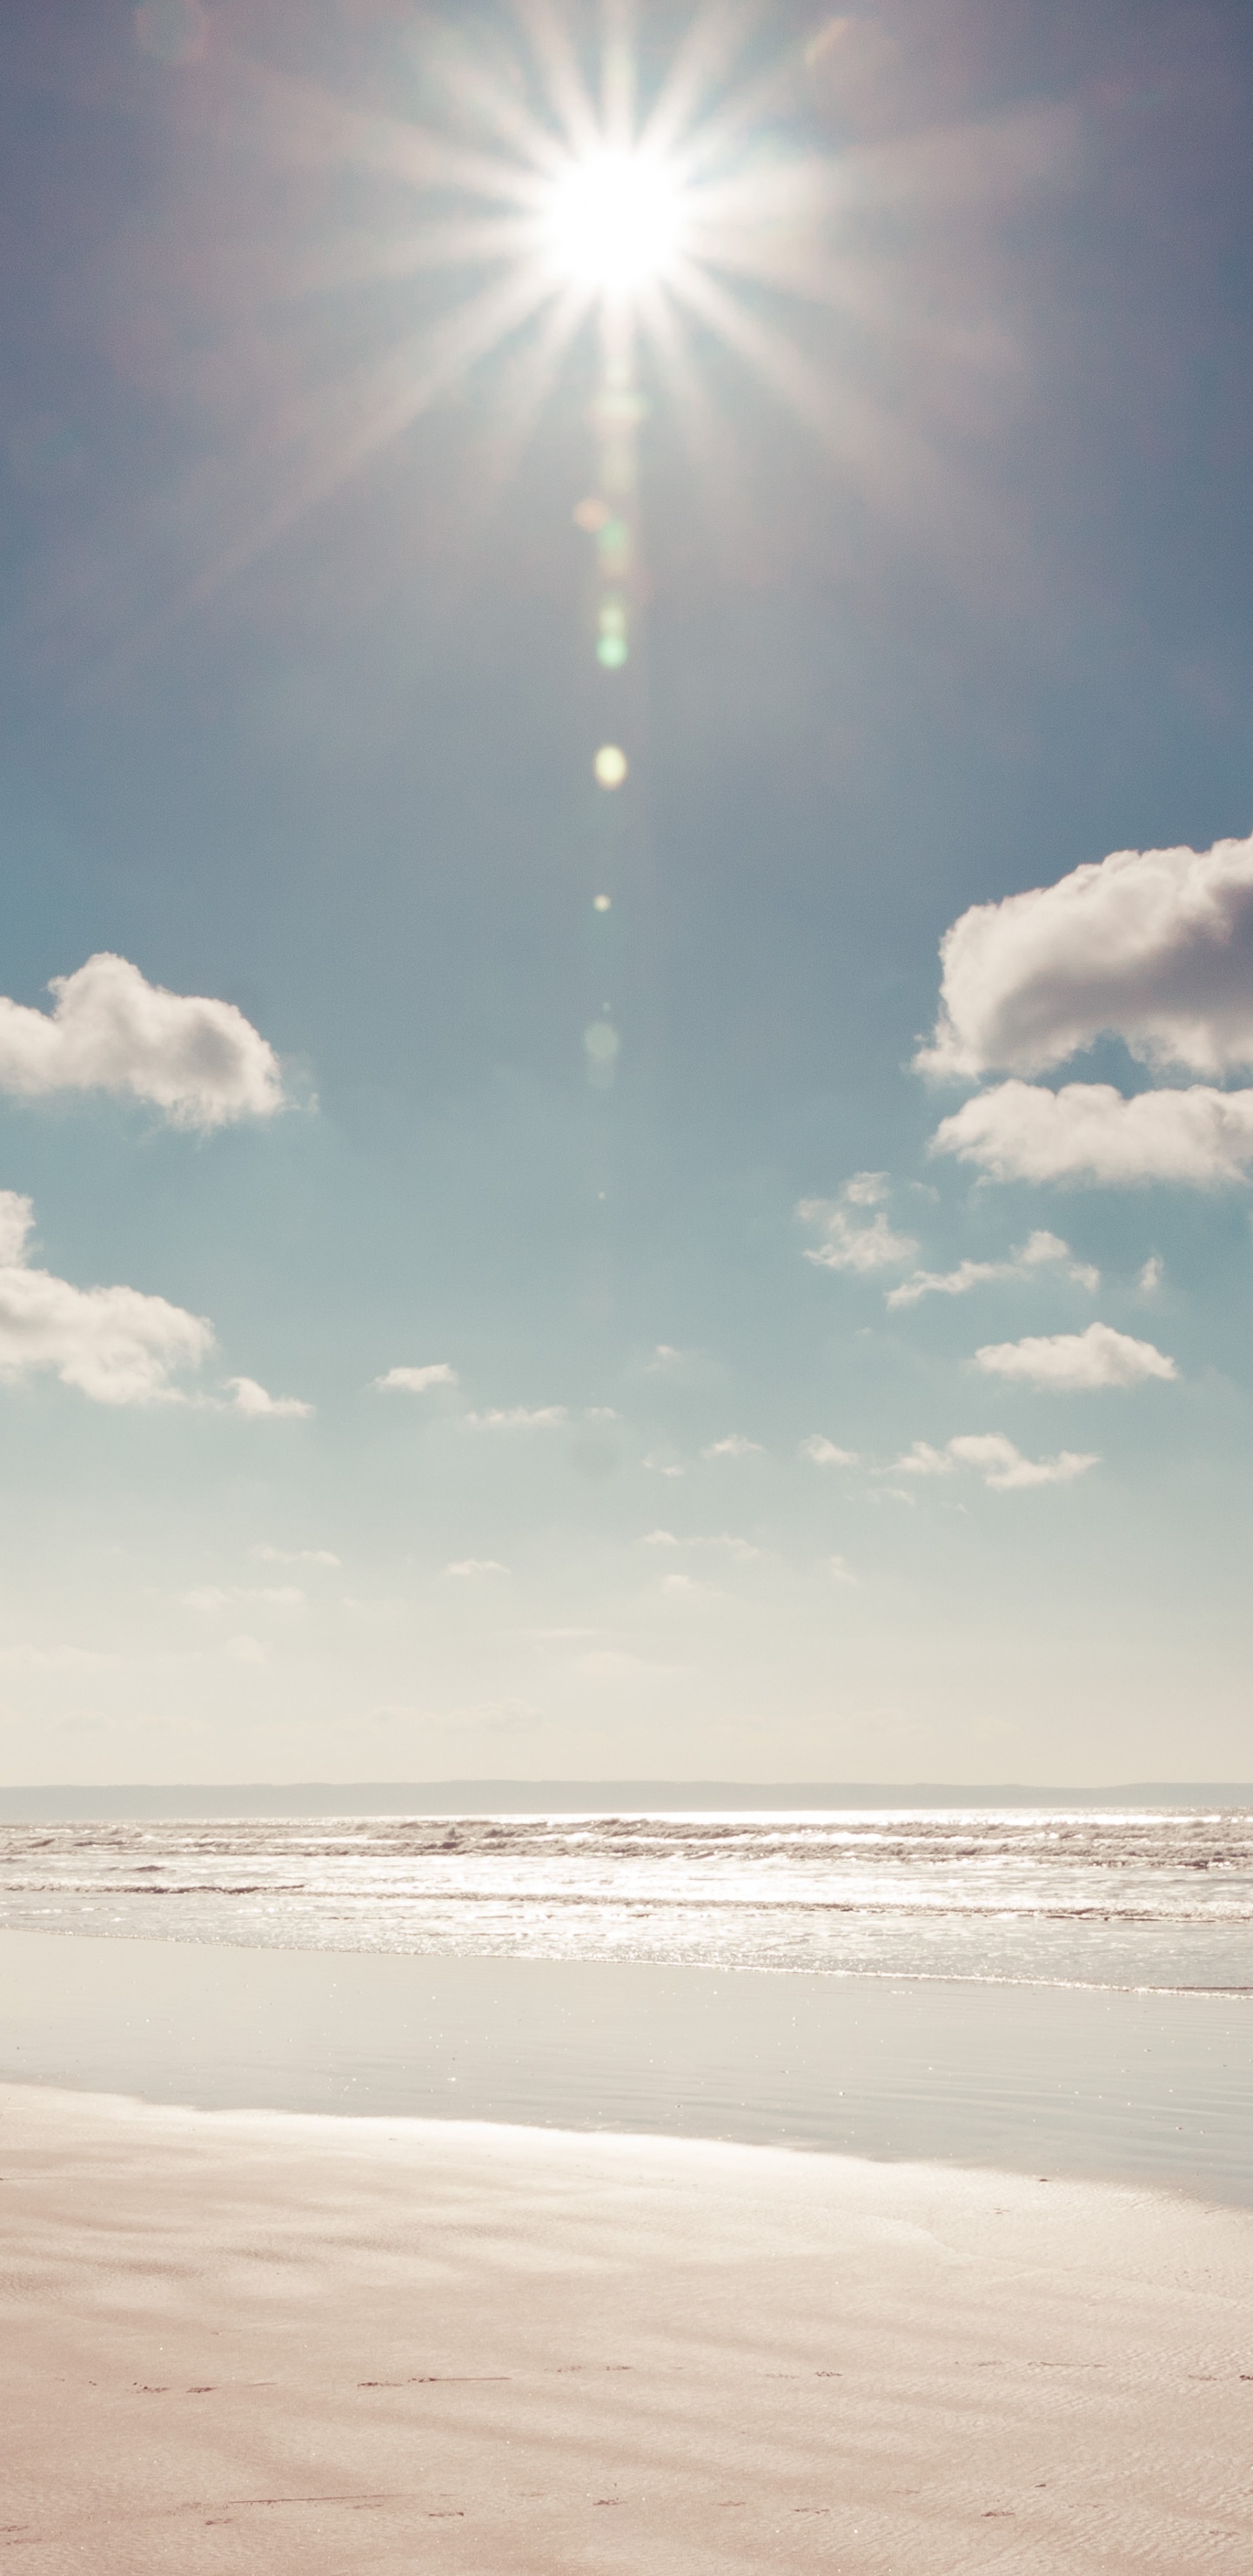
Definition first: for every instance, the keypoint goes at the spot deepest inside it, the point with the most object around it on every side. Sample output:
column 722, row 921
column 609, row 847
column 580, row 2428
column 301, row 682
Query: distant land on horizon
column 191, row 1800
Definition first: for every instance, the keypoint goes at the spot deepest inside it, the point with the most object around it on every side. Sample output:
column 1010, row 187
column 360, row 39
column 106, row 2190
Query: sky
column 787, row 1319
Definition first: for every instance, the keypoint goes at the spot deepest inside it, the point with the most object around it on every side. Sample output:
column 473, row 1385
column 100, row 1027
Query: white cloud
column 115, row 1345
column 466, row 1567
column 866, row 1189
column 1077, row 1362
column 1004, row 1468
column 1041, row 1250
column 849, row 1242
column 1151, row 1276
column 841, row 1570
column 258, row 1405
column 415, row 1381
column 1152, row 946
column 995, row 1458
column 200, row 1061
column 1087, row 1132
column 824, row 1452
column 518, row 1417
column 734, row 1446
column 661, row 1466
column 740, row 1548
column 665, row 1359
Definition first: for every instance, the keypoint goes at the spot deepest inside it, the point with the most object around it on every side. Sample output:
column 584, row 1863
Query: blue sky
column 939, row 596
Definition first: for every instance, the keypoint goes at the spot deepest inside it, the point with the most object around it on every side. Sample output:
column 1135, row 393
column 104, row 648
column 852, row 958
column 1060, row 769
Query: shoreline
column 340, row 2341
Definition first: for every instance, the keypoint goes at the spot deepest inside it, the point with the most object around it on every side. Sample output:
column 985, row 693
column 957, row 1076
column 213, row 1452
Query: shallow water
column 1150, row 2088
column 1145, row 1899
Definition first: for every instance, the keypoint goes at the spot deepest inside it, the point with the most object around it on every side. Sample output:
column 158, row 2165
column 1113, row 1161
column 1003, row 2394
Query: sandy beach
column 235, row 2340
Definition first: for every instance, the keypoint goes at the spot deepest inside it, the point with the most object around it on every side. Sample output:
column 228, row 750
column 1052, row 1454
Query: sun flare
column 614, row 223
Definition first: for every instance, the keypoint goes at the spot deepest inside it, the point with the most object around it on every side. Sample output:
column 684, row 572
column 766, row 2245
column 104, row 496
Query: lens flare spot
column 610, row 765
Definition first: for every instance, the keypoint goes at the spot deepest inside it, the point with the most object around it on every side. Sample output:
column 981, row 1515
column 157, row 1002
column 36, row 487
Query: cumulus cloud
column 850, row 1240
column 518, row 1417
column 1088, row 1133
column 465, row 1568
column 1077, row 1362
column 115, row 1345
column 824, row 1453
column 258, row 1405
column 415, row 1381
column 1152, row 946
column 734, row 1446
column 995, row 1458
column 199, row 1061
column 1040, row 1251
column 1151, row 1276
column 841, row 1571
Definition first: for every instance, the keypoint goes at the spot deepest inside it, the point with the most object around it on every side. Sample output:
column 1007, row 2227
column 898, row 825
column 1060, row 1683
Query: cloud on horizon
column 1077, row 1362
column 1151, row 946
column 1089, row 1134
column 199, row 1061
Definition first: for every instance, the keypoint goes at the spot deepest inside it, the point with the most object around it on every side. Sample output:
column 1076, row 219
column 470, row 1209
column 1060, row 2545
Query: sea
column 1062, row 1986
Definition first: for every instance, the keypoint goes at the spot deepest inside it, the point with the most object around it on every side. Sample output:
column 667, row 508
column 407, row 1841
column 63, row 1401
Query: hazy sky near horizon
column 449, row 1329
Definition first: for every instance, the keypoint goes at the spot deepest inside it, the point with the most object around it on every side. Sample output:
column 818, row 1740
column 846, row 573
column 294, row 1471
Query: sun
column 614, row 222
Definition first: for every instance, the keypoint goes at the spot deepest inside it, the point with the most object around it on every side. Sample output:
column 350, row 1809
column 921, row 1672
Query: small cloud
column 923, row 1460
column 1076, row 1362
column 664, row 1361
column 1152, row 1275
column 866, row 1189
column 996, row 1459
column 518, row 1417
column 660, row 1538
column 257, row 1405
column 1040, row 1250
column 849, row 1244
column 824, row 1453
column 415, row 1381
column 661, row 1465
column 266, row 1555
column 1004, row 1468
column 685, row 1587
column 734, row 1446
column 467, row 1567
column 841, row 1570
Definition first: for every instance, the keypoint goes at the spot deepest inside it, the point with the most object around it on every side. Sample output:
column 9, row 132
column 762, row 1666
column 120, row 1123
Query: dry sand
column 245, row 2342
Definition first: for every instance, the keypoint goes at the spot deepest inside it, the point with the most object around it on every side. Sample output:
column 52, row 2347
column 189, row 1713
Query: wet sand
column 235, row 2341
